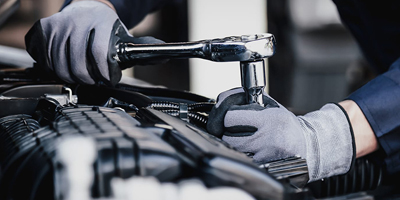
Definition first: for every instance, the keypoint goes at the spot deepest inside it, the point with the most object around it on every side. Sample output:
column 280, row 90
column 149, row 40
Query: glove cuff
column 330, row 142
column 353, row 141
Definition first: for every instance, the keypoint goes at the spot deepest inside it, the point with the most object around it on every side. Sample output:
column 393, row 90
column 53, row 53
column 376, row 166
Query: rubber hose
column 201, row 107
column 364, row 176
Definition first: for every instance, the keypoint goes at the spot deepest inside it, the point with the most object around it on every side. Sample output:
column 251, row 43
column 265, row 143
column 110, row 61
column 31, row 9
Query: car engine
column 138, row 131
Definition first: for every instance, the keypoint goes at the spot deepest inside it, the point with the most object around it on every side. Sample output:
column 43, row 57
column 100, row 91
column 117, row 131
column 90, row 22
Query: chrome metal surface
column 253, row 80
column 234, row 48
column 15, row 57
column 64, row 99
column 250, row 50
column 183, row 112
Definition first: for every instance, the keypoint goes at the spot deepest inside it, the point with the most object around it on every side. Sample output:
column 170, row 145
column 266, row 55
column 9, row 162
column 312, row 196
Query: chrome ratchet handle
column 127, row 52
column 234, row 48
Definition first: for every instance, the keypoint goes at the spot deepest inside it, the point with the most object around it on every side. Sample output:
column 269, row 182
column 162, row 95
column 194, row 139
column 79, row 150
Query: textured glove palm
column 323, row 137
column 78, row 43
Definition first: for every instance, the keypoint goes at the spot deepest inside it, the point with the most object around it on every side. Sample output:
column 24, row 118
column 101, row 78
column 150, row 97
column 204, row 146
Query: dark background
column 313, row 65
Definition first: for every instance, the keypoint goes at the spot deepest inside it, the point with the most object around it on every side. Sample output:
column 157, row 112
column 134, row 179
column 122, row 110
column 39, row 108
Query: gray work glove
column 78, row 43
column 324, row 137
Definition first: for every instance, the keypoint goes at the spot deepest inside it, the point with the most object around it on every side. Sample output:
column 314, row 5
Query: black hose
column 164, row 105
column 364, row 176
column 201, row 107
column 12, row 129
column 195, row 107
column 197, row 112
column 198, row 119
column 174, row 113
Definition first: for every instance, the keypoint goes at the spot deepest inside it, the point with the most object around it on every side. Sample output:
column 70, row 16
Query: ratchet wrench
column 249, row 50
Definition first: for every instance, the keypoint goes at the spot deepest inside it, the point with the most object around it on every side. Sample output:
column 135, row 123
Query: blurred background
column 316, row 61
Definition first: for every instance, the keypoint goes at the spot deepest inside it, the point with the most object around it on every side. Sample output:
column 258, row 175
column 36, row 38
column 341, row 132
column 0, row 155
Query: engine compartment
column 138, row 131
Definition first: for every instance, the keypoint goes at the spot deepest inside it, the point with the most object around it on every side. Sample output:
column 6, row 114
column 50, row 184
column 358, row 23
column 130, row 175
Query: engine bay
column 139, row 131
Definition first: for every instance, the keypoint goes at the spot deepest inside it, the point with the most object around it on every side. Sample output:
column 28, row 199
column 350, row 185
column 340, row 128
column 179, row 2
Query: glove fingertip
column 215, row 129
column 222, row 96
column 35, row 42
column 114, row 69
column 115, row 73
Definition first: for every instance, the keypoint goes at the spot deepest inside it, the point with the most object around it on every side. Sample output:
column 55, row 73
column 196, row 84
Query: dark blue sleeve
column 131, row 12
column 380, row 102
column 66, row 2
column 376, row 27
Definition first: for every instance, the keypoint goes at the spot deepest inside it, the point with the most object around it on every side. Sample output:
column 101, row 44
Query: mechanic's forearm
column 365, row 139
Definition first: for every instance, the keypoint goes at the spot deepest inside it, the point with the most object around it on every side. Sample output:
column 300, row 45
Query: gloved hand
column 78, row 43
column 324, row 137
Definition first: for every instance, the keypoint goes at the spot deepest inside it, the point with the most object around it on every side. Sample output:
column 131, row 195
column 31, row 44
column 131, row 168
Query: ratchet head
column 241, row 48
